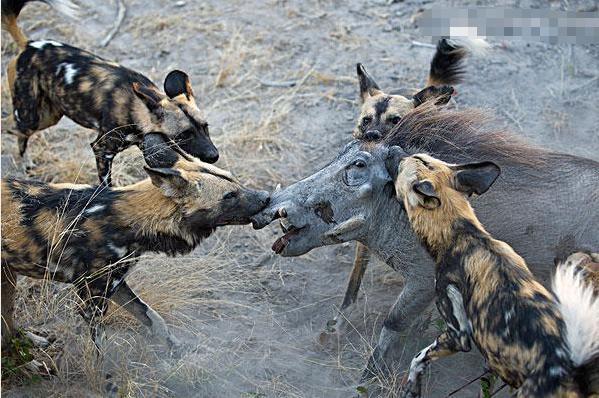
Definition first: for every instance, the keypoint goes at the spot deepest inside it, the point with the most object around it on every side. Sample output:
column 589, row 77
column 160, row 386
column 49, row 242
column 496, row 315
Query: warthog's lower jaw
column 281, row 243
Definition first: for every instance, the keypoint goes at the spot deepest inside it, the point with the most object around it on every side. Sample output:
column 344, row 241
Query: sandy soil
column 250, row 321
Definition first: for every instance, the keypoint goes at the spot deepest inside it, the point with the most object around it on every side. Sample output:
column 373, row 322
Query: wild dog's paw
column 410, row 389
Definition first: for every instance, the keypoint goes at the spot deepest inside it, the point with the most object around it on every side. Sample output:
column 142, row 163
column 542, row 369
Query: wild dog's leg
column 126, row 297
column 93, row 308
column 443, row 346
column 353, row 287
column 416, row 296
column 32, row 110
column 104, row 159
column 9, row 288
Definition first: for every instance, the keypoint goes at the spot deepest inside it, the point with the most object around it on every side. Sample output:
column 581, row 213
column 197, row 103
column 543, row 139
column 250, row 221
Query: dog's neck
column 156, row 221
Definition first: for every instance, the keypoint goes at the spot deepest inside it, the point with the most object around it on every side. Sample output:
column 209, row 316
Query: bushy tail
column 12, row 8
column 447, row 66
column 579, row 306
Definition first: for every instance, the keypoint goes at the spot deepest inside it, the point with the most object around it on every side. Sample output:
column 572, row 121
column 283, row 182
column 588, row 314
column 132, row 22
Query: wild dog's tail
column 447, row 66
column 12, row 8
column 579, row 306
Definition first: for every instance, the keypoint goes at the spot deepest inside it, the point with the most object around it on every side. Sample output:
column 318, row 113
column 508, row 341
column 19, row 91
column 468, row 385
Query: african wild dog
column 381, row 111
column 49, row 79
column 537, row 342
column 91, row 236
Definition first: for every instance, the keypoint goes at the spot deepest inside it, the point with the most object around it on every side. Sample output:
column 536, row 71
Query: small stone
column 180, row 3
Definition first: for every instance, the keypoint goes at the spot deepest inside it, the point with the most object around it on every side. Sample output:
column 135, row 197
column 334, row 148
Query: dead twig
column 415, row 43
column 583, row 85
column 285, row 84
column 465, row 385
column 499, row 389
column 121, row 11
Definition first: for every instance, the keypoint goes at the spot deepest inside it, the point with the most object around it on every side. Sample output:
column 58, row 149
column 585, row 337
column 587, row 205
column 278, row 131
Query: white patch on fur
column 16, row 113
column 69, row 73
column 509, row 315
column 457, row 303
column 39, row 44
column 475, row 45
column 65, row 7
column 557, row 371
column 115, row 284
column 109, row 156
column 94, row 209
column 580, row 310
column 418, row 364
column 120, row 251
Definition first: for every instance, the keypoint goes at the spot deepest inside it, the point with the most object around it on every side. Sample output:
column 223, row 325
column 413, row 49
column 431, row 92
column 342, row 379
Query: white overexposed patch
column 39, row 44
column 94, row 209
column 580, row 309
column 120, row 251
column 16, row 113
column 69, row 73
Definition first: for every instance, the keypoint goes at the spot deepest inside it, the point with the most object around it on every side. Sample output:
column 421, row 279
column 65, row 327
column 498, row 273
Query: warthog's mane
column 462, row 136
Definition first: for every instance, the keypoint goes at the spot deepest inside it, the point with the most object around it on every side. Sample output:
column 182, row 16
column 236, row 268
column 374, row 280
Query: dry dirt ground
column 250, row 321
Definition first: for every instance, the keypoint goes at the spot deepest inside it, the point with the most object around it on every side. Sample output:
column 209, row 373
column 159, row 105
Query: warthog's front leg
column 416, row 296
column 443, row 346
column 361, row 258
column 126, row 297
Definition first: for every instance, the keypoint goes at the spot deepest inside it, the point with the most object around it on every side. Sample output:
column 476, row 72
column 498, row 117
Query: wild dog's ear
column 170, row 181
column 368, row 86
column 426, row 194
column 475, row 177
column 176, row 83
column 149, row 95
column 443, row 95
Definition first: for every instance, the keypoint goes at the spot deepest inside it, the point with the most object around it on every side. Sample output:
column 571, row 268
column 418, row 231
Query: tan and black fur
column 487, row 295
column 49, row 80
column 91, row 236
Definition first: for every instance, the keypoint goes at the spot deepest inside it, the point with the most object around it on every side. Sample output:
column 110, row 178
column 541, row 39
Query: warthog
column 543, row 205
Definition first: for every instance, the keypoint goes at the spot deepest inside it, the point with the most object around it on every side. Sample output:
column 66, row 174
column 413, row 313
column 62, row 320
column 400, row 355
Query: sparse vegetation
column 249, row 320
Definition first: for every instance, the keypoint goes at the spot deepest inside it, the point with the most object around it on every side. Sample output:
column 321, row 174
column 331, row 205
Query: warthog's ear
column 442, row 94
column 426, row 194
column 368, row 86
column 394, row 156
column 170, row 181
column 176, row 83
column 150, row 96
column 475, row 177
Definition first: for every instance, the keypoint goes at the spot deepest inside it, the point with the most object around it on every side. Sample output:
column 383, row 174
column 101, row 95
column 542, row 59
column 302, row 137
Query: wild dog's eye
column 360, row 163
column 230, row 195
column 394, row 119
column 366, row 120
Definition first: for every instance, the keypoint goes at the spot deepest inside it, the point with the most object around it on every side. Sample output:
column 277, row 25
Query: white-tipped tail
column 579, row 307
column 476, row 46
column 65, row 7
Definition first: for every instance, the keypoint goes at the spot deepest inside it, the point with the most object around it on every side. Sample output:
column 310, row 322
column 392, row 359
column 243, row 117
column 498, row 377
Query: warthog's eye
column 394, row 119
column 230, row 195
column 366, row 120
column 360, row 163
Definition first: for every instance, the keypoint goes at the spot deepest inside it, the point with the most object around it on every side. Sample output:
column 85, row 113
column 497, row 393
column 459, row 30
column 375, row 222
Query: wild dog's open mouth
column 290, row 231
